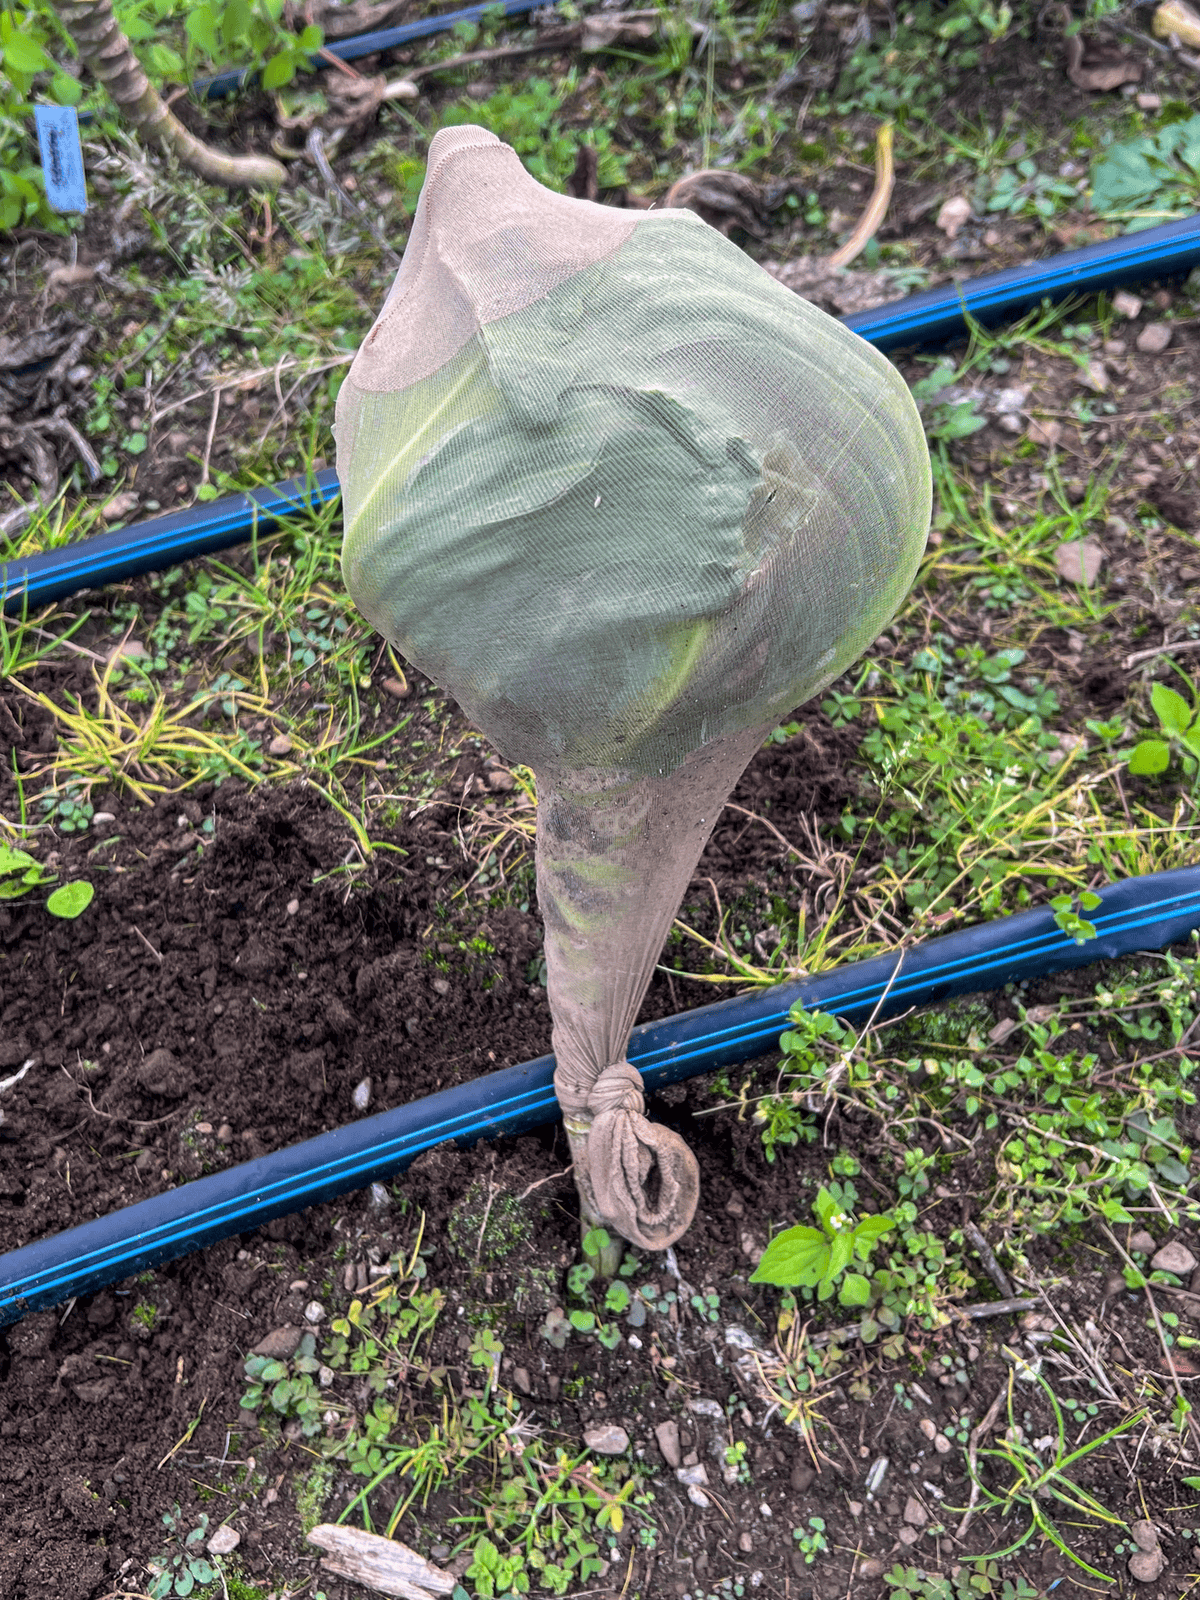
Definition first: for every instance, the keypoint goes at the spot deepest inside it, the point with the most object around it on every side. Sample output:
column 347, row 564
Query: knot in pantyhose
column 646, row 1180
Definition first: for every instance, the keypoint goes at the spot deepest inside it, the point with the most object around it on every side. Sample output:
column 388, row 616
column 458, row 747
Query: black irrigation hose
column 933, row 316
column 1139, row 914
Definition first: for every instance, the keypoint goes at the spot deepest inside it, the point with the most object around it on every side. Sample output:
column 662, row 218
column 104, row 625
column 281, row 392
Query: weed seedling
column 182, row 1566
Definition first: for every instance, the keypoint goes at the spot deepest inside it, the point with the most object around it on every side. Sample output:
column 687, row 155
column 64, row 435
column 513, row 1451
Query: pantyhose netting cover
column 629, row 501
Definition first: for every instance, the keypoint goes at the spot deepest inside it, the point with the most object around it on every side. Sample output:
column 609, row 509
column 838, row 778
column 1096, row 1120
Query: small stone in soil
column 734, row 1206
column 224, row 1134
column 292, row 907
column 280, row 745
column 1145, row 1535
column 928, row 1428
column 1147, row 1565
column 698, row 1497
column 745, row 1542
column 379, row 1197
column 224, row 1541
column 1143, row 1243
column 280, row 1344
column 1154, row 338
column 607, row 1440
column 803, row 1477
column 667, row 1434
column 909, row 1535
column 1126, row 304
column 520, row 1378
column 872, row 1567
column 361, row 1098
column 1174, row 1257
column 915, row 1513
column 314, row 1312
column 941, row 1444
column 697, row 1473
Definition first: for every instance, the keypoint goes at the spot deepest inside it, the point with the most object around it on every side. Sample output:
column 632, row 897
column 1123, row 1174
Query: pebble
column 1154, row 338
column 854, row 1507
column 501, row 781
column 803, row 1477
column 1079, row 561
column 224, row 1541
column 292, row 907
column 1174, row 1257
column 325, row 1376
column 1143, row 1243
column 1115, row 347
column 954, row 213
column 1147, row 1565
column 297, row 1285
column 1046, row 432
column 1126, row 304
column 707, row 1408
column 745, row 1542
column 361, row 1097
column 225, row 1133
column 928, row 1428
column 280, row 745
column 99, row 818
column 872, row 1567
column 667, row 1434
column 698, row 1497
column 915, row 1513
column 909, row 1535
column 1145, row 1535
column 520, row 1378
column 281, row 1343
column 607, row 1440
column 379, row 1197
column 118, row 508
column 696, row 1474
column 349, row 1277
column 314, row 1312
column 204, row 1127
column 753, row 1249
column 941, row 1444
column 1095, row 377
column 397, row 689
column 735, row 1206
column 440, row 986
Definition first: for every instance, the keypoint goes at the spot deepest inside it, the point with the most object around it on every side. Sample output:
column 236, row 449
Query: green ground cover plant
column 984, row 780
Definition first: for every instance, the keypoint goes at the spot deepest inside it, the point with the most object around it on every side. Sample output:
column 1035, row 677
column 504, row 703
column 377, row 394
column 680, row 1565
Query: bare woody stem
column 105, row 50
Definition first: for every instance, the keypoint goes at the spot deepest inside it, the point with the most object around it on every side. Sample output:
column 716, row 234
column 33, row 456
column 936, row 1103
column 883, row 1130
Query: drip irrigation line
column 931, row 317
column 1138, row 914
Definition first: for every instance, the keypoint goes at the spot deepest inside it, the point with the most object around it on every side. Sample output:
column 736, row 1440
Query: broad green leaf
column 1149, row 758
column 23, row 54
column 873, row 1228
column 1171, row 709
column 797, row 1256
column 13, row 860
column 826, row 1207
column 201, row 25
column 855, row 1290
column 841, row 1248
column 65, row 89
column 280, row 69
column 71, row 900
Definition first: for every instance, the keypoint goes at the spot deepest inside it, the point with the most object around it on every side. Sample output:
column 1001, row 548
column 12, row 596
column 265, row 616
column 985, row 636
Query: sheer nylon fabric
column 629, row 501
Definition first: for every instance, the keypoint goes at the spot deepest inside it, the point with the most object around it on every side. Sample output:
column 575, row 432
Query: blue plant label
column 62, row 157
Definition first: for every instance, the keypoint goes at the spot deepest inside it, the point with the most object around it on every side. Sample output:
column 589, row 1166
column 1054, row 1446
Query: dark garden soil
column 242, row 972
column 230, row 987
